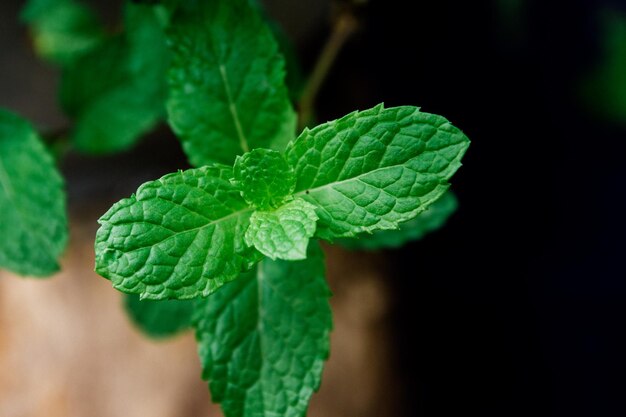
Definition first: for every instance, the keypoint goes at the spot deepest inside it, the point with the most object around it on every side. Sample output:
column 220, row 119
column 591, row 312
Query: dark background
column 517, row 306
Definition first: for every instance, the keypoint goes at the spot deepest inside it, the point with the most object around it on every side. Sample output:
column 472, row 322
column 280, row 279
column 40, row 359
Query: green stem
column 344, row 27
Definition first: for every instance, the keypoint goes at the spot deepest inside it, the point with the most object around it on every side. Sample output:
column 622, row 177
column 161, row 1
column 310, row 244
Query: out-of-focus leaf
column 33, row 219
column 227, row 90
column 604, row 90
column 116, row 92
column 62, row 30
column 161, row 318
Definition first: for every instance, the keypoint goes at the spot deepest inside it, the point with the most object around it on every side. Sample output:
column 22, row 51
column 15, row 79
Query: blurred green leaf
column 62, row 30
column 159, row 319
column 33, row 219
column 604, row 90
column 227, row 91
column 116, row 92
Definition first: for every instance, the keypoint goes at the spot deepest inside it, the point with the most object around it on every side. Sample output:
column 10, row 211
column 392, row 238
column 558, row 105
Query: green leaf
column 265, row 178
column 159, row 319
column 179, row 237
column 227, row 90
column 375, row 169
column 263, row 338
column 62, row 30
column 169, row 5
column 430, row 220
column 33, row 220
column 116, row 93
column 283, row 233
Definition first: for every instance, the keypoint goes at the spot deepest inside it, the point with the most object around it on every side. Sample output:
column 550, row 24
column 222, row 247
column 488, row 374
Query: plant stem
column 343, row 28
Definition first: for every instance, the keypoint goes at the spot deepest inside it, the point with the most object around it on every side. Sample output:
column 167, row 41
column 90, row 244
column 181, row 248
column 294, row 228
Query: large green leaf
column 179, row 237
column 161, row 318
column 33, row 220
column 116, row 92
column 430, row 220
column 227, row 90
column 375, row 169
column 263, row 338
column 62, row 30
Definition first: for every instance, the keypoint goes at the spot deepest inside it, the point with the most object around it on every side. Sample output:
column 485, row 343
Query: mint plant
column 231, row 246
column 368, row 171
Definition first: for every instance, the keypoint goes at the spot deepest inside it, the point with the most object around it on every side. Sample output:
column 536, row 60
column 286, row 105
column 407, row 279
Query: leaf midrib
column 243, row 142
column 358, row 177
column 212, row 222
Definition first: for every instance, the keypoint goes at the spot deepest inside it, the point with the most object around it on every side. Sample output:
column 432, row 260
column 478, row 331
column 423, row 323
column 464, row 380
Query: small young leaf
column 33, row 220
column 227, row 90
column 179, row 237
column 263, row 338
column 162, row 318
column 283, row 233
column 375, row 169
column 428, row 221
column 116, row 92
column 62, row 30
column 264, row 177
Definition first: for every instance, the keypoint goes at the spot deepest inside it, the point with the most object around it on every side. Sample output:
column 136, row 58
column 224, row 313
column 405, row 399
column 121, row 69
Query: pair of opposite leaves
column 187, row 234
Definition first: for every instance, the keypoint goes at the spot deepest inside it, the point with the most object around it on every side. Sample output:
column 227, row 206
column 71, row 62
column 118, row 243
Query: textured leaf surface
column 162, row 318
column 227, row 91
column 430, row 220
column 375, row 169
column 116, row 93
column 179, row 237
column 265, row 178
column 283, row 233
column 62, row 30
column 263, row 338
column 33, row 221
